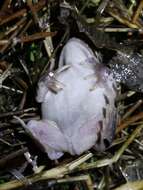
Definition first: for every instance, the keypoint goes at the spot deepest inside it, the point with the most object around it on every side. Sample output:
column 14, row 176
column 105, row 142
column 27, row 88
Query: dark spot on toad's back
column 104, row 112
column 106, row 143
column 114, row 87
column 106, row 99
column 98, row 138
column 101, row 125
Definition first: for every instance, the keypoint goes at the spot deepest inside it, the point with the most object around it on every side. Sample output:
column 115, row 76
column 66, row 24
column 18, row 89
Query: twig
column 12, row 155
column 11, row 145
column 26, row 27
column 23, row 12
column 109, row 29
column 33, row 37
column 21, row 24
column 5, row 74
column 54, row 52
column 53, row 173
column 102, row 7
column 121, row 14
column 33, row 11
column 131, row 110
column 123, row 20
column 11, row 89
column 129, row 121
column 7, row 114
column 13, row 16
column 125, row 95
column 16, row 26
column 138, row 12
column 85, row 178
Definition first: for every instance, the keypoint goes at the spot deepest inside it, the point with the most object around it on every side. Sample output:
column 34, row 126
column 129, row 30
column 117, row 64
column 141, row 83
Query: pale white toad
column 77, row 103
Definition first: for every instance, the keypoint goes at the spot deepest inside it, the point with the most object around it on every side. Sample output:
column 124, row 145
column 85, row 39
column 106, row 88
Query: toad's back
column 85, row 105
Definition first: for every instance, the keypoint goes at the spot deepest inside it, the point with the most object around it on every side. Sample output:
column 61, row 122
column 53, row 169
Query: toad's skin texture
column 128, row 69
column 78, row 104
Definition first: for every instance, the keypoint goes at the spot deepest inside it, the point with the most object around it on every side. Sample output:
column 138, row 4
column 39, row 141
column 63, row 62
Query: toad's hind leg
column 49, row 136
